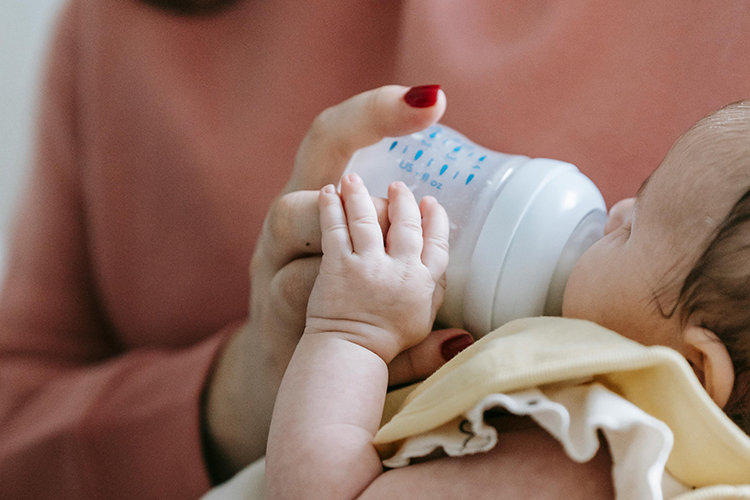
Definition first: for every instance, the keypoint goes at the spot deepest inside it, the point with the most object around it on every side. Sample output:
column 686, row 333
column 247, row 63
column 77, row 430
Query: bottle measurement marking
column 409, row 167
column 455, row 147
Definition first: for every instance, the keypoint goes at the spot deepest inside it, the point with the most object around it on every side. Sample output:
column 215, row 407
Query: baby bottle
column 518, row 225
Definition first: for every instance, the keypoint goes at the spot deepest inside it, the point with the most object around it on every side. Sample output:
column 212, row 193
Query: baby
column 672, row 269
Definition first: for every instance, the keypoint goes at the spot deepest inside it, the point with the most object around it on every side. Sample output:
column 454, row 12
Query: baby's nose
column 620, row 212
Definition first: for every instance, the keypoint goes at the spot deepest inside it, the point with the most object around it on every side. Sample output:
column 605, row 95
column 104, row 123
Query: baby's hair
column 716, row 292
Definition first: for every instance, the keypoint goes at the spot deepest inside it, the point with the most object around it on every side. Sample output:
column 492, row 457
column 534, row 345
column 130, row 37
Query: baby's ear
column 711, row 362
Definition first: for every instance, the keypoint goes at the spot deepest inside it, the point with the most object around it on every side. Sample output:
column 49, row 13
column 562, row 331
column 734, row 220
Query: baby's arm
column 370, row 302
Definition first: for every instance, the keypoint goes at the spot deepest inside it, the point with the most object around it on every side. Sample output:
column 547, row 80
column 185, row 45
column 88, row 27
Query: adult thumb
column 423, row 359
column 361, row 121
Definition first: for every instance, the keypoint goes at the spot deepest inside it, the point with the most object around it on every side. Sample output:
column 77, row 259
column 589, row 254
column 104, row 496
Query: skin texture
column 373, row 299
column 136, row 95
column 356, row 323
column 650, row 245
column 352, row 328
column 240, row 394
column 623, row 268
column 527, row 463
column 633, row 270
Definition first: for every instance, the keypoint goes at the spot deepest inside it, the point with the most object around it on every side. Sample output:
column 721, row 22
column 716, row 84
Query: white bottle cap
column 517, row 259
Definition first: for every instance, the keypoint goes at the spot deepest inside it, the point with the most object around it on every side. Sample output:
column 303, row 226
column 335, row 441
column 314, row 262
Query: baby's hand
column 382, row 297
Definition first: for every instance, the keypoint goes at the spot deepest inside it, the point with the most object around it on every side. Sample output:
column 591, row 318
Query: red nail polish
column 423, row 96
column 454, row 345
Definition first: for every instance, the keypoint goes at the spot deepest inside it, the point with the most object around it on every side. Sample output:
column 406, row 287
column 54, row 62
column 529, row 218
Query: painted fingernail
column 422, row 96
column 454, row 345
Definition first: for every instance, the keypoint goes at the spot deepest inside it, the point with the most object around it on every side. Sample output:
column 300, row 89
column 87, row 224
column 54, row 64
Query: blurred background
column 24, row 30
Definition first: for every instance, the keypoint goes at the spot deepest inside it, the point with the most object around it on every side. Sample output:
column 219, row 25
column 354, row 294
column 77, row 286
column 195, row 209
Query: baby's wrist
column 377, row 340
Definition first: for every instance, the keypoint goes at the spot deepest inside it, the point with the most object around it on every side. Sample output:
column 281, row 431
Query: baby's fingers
column 405, row 233
column 435, row 228
column 361, row 216
column 335, row 240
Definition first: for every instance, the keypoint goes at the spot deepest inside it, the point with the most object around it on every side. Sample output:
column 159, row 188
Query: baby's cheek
column 585, row 295
column 571, row 297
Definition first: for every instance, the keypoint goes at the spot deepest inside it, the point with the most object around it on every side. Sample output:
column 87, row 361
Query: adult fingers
column 421, row 361
column 360, row 121
column 290, row 290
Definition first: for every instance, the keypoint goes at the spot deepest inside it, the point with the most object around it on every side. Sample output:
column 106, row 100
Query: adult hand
column 240, row 395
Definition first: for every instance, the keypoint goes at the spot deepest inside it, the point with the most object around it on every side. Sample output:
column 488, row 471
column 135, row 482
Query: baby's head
column 674, row 266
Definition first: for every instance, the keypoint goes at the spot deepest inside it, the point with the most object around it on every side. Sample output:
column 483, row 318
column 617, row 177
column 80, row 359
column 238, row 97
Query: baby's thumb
column 422, row 360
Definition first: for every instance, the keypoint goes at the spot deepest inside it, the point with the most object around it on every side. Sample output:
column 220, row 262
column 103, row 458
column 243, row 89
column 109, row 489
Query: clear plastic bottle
column 518, row 225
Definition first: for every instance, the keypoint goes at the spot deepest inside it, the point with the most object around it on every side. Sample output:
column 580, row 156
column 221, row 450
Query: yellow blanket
column 709, row 453
column 709, row 449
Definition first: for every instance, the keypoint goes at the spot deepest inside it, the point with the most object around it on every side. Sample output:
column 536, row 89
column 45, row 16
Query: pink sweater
column 162, row 141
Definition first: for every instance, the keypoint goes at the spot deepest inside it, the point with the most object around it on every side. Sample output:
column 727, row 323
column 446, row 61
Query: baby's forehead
column 704, row 174
column 684, row 202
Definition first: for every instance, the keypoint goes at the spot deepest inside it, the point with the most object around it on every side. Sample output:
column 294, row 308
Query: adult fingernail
column 423, row 96
column 454, row 345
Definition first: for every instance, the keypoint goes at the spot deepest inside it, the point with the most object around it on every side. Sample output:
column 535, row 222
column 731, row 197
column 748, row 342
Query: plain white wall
column 24, row 29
